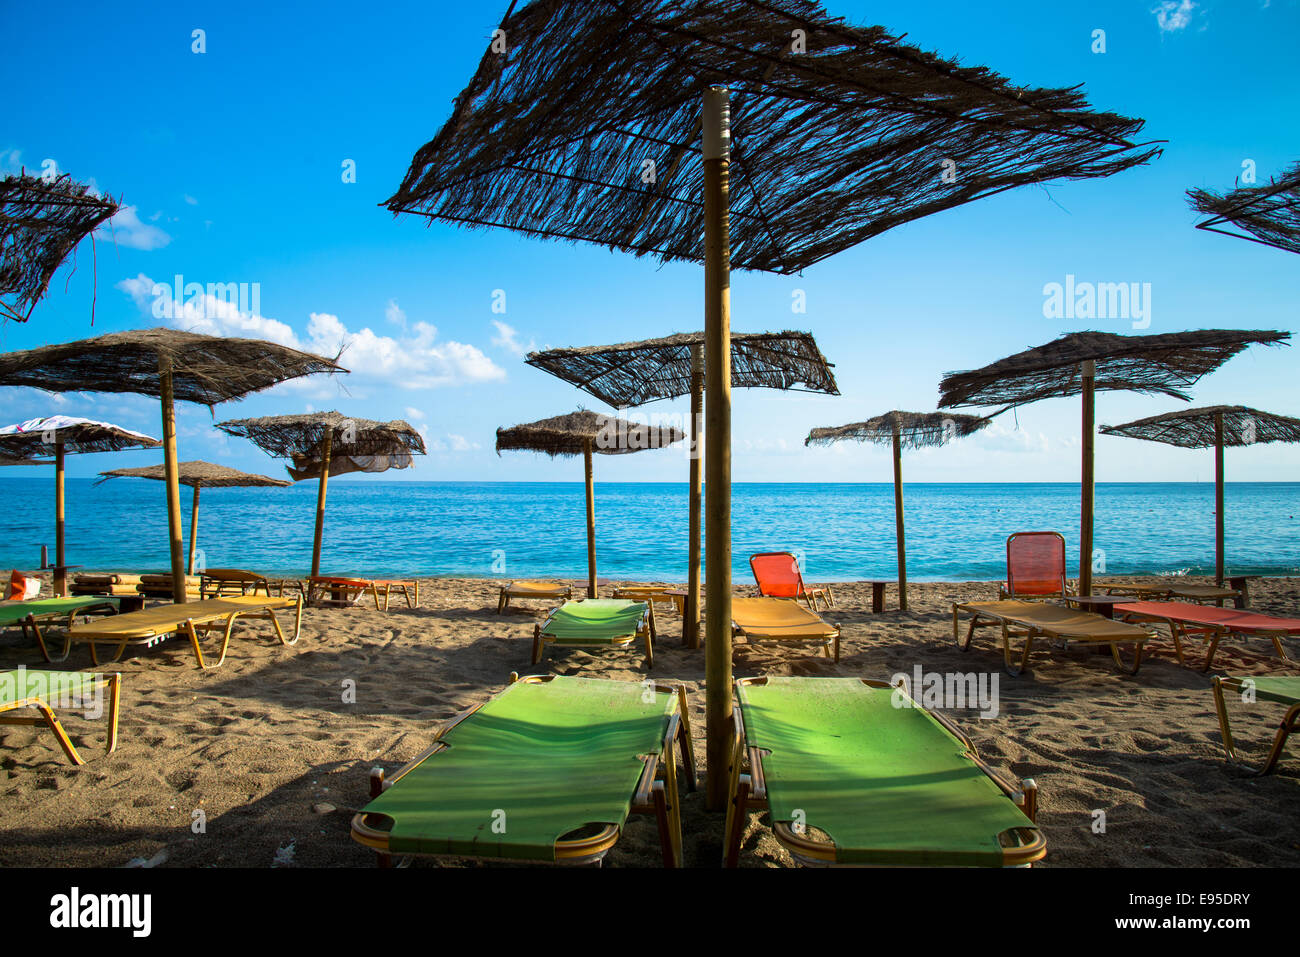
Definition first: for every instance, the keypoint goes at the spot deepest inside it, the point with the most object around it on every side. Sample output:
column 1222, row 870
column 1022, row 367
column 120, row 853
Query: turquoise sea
column 844, row 532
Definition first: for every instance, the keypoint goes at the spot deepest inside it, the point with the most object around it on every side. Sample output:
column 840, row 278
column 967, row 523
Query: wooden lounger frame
column 1290, row 723
column 656, row 791
column 223, row 623
column 350, row 589
column 644, row 629
column 749, row 793
column 562, row 592
column 1013, row 627
column 1211, row 633
column 49, row 719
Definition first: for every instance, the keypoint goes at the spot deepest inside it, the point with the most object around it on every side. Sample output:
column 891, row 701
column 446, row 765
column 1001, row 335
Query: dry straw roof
column 839, row 133
column 915, row 430
column 206, row 369
column 40, row 224
column 1166, row 364
column 301, row 437
column 633, row 373
column 1194, row 428
column 1270, row 214
column 76, row 436
column 571, row 434
column 200, row 475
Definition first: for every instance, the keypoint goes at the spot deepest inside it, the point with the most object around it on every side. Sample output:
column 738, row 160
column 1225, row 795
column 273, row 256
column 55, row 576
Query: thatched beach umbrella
column 1268, row 213
column 586, row 433
column 321, row 444
column 633, row 373
column 1081, row 363
column 59, row 435
column 169, row 364
column 612, row 122
column 41, row 222
column 1214, row 427
column 199, row 475
column 912, row 430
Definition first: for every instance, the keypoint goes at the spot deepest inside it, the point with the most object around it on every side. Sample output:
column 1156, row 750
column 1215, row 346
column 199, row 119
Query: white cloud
column 507, row 338
column 191, row 200
column 414, row 414
column 11, row 161
column 127, row 230
column 1173, row 15
column 412, row 361
column 394, row 314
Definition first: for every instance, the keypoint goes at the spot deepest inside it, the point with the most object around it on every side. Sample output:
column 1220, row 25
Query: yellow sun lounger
column 782, row 619
column 46, row 690
column 154, row 625
column 1283, row 690
column 1031, row 620
column 551, row 591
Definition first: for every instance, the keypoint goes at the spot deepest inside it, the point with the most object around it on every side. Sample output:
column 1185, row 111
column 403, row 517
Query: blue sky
column 231, row 164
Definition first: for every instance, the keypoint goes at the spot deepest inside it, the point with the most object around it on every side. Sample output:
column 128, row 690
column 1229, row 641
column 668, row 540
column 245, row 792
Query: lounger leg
column 737, row 810
column 1277, row 643
column 1008, row 658
column 674, row 809
column 1119, row 662
column 650, row 646
column 114, row 700
column 537, row 643
column 52, row 723
column 193, row 634
column 1213, row 647
column 502, row 600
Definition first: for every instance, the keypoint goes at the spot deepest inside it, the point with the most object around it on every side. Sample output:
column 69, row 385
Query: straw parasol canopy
column 1080, row 363
column 1215, row 427
column 633, row 373
column 169, row 364
column 41, row 223
column 614, row 122
column 910, row 430
column 1267, row 214
column 321, row 444
column 198, row 475
column 587, row 127
column 59, row 435
column 586, row 433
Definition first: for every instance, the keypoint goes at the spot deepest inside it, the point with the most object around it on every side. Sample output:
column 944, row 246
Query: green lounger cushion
column 51, row 686
column 537, row 761
column 1281, row 690
column 888, row 785
column 595, row 620
column 12, row 612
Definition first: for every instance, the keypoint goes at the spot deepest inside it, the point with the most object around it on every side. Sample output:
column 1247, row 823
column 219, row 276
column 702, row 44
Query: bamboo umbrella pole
column 194, row 530
column 898, row 519
column 1218, row 499
column 60, row 560
column 1088, row 370
column 691, row 626
column 591, row 520
column 717, row 388
column 171, row 471
column 327, row 449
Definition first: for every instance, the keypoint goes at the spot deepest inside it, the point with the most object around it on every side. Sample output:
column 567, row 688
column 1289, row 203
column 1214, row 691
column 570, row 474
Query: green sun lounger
column 1279, row 690
column 597, row 621
column 29, row 614
column 46, row 690
column 547, row 770
column 883, row 781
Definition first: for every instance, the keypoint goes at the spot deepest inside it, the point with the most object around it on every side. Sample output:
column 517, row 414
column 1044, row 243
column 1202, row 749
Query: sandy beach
column 269, row 751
